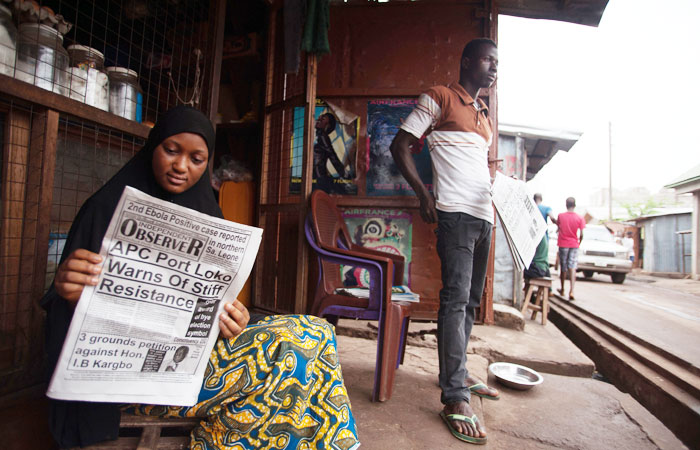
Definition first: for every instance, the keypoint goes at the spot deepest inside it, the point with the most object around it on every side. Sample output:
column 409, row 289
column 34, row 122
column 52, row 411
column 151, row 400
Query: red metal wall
column 398, row 50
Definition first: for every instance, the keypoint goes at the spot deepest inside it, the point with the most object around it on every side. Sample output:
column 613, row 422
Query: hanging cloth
column 315, row 37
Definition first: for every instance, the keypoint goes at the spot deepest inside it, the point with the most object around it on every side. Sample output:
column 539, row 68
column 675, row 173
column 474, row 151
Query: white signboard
column 521, row 218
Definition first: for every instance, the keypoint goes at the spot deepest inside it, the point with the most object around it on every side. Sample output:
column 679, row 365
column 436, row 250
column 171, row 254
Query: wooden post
column 28, row 194
column 35, row 238
column 217, row 20
column 486, row 309
column 300, row 304
column 15, row 160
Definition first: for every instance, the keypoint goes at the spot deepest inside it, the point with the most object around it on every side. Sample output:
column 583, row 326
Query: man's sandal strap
column 470, row 420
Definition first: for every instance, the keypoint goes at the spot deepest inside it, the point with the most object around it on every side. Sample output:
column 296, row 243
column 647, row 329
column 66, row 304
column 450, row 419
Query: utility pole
column 610, row 216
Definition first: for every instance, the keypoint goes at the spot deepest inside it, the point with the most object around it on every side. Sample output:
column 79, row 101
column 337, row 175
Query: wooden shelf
column 368, row 92
column 323, row 92
column 36, row 95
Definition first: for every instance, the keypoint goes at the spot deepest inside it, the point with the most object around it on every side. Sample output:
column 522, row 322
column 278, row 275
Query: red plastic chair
column 328, row 236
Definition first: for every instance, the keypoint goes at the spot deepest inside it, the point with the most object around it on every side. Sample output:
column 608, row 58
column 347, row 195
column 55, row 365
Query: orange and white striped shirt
column 459, row 137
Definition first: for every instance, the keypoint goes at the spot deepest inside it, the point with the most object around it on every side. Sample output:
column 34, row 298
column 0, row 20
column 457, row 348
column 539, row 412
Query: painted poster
column 386, row 230
column 335, row 149
column 384, row 117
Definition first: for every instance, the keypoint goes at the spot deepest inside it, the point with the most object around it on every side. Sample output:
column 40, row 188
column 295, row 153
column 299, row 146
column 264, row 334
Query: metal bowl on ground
column 515, row 376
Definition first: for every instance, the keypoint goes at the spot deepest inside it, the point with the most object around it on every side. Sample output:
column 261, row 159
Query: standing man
column 571, row 227
column 459, row 136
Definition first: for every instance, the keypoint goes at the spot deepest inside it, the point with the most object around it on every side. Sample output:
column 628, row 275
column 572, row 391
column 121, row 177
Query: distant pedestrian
column 539, row 267
column 546, row 211
column 571, row 227
column 628, row 243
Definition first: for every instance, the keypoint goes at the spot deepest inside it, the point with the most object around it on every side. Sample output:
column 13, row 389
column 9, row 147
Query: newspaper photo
column 522, row 221
column 144, row 333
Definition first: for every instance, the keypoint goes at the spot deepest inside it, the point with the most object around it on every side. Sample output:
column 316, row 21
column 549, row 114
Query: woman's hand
column 234, row 319
column 80, row 269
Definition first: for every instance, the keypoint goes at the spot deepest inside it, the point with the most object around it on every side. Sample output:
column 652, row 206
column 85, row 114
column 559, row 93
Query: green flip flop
column 478, row 386
column 461, row 436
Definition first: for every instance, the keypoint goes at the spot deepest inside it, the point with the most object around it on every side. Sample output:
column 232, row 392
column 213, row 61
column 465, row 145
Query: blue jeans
column 463, row 244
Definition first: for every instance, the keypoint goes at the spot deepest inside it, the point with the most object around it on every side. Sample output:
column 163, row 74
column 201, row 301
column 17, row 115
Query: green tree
column 640, row 209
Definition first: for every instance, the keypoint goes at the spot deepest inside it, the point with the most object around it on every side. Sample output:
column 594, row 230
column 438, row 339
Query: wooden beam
column 376, row 92
column 15, row 162
column 47, row 145
column 295, row 100
column 486, row 308
column 265, row 162
column 33, row 94
column 217, row 18
column 377, row 202
column 300, row 303
column 369, row 92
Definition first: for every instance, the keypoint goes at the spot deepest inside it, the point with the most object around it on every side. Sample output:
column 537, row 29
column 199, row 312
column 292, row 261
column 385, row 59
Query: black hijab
column 75, row 423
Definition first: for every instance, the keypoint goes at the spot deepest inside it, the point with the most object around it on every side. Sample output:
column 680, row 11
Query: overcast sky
column 640, row 70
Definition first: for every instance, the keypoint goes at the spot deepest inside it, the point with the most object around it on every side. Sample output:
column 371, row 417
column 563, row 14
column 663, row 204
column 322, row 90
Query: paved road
column 662, row 311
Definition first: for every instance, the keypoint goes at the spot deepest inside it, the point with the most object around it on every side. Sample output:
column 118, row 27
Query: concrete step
column 666, row 385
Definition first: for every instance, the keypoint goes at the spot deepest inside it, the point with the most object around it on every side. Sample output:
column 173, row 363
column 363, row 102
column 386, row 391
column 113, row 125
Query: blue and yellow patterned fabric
column 278, row 385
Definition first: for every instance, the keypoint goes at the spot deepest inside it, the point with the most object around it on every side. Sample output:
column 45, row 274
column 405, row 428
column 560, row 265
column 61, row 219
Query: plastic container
column 8, row 42
column 41, row 58
column 124, row 92
column 89, row 83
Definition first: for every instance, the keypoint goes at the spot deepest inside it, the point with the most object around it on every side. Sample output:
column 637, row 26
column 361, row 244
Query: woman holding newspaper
column 261, row 368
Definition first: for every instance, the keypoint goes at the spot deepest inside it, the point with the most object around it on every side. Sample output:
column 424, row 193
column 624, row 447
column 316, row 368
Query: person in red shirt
column 571, row 227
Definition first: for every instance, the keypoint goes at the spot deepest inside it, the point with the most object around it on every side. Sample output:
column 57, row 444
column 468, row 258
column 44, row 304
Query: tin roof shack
column 383, row 55
column 523, row 151
column 665, row 247
column 689, row 183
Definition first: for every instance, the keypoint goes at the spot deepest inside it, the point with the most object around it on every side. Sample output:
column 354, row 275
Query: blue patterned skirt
column 278, row 385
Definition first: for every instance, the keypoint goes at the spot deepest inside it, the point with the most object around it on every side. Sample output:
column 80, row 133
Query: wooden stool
column 543, row 285
column 149, row 437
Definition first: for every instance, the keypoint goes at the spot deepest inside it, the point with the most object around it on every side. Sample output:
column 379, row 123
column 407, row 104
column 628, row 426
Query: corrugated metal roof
column 665, row 212
column 690, row 176
column 540, row 143
column 584, row 12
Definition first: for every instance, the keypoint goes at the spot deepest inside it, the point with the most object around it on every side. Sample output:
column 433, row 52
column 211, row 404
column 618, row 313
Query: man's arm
column 400, row 150
column 551, row 217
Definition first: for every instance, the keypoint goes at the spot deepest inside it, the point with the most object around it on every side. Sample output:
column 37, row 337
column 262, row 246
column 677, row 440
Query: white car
column 599, row 253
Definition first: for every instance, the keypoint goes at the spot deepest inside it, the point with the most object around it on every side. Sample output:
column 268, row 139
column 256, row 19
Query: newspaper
column 144, row 333
column 522, row 221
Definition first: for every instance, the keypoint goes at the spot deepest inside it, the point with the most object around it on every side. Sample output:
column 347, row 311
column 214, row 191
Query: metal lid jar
column 8, row 42
column 125, row 96
column 41, row 58
column 89, row 83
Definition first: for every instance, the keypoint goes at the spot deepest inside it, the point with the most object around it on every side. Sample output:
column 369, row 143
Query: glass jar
column 124, row 92
column 89, row 82
column 8, row 42
column 41, row 58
